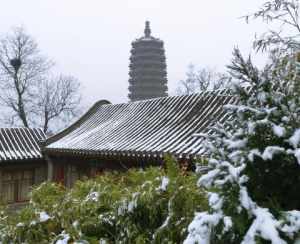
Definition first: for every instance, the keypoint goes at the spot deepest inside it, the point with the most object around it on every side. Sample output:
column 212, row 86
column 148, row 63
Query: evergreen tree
column 254, row 182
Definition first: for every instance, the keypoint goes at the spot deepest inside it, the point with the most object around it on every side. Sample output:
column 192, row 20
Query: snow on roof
column 144, row 128
column 20, row 144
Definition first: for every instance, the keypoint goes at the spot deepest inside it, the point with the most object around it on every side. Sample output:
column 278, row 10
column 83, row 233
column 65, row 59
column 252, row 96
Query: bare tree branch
column 287, row 38
column 200, row 80
column 58, row 99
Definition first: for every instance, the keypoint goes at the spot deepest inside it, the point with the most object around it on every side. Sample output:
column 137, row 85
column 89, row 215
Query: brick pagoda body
column 148, row 75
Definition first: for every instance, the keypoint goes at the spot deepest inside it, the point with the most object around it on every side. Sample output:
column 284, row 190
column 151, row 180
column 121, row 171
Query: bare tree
column 200, row 80
column 29, row 95
column 282, row 41
column 284, row 38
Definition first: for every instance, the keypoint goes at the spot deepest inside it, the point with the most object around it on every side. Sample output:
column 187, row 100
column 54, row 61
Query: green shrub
column 139, row 206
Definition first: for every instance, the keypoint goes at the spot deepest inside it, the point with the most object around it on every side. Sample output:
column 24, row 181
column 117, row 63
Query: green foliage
column 47, row 195
column 154, row 205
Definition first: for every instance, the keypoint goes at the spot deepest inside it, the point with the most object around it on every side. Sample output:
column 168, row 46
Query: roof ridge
column 21, row 127
column 216, row 92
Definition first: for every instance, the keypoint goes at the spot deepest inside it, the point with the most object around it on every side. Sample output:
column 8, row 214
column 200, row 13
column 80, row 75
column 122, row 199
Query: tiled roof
column 20, row 144
column 144, row 128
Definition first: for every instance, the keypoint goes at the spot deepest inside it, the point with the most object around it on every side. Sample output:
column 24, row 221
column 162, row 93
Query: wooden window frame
column 17, row 182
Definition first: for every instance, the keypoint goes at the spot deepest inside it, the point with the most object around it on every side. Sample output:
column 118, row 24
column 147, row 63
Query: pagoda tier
column 147, row 75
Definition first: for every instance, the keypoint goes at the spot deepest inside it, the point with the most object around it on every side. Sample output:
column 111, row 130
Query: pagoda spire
column 147, row 30
column 147, row 74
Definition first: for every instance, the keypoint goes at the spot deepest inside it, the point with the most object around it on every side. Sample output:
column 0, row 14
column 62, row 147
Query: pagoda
column 148, row 75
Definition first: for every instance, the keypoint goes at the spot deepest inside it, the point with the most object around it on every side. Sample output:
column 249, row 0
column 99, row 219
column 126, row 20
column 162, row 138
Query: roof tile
column 20, row 144
column 149, row 127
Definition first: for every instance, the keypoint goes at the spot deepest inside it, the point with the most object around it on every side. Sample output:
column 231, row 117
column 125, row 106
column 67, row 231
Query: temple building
column 147, row 75
column 22, row 164
column 135, row 134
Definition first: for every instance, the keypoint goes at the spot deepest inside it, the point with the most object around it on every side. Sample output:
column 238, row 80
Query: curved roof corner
column 76, row 124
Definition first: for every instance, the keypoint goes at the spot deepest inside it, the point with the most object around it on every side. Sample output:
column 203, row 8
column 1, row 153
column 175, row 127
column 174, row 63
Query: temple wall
column 66, row 170
column 17, row 178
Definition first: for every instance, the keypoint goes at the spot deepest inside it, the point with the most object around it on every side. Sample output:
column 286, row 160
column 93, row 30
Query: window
column 16, row 185
column 78, row 173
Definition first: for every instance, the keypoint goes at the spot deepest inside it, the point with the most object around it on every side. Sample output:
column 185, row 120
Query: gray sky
column 91, row 39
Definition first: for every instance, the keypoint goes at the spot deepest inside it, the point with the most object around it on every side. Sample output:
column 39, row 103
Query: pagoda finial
column 147, row 30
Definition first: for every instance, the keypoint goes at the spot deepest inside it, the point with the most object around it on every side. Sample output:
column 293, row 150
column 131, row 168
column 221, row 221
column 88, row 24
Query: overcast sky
column 91, row 39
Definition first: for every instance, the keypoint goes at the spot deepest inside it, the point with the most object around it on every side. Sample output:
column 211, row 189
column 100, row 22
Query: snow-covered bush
column 155, row 205
column 254, row 160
